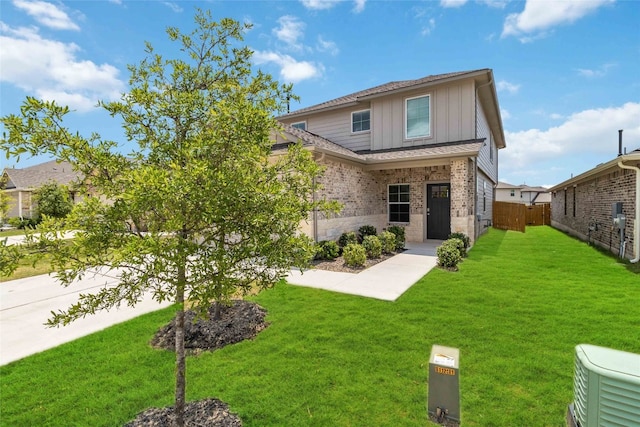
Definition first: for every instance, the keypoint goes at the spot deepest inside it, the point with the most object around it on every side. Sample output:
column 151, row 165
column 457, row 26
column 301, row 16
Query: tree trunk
column 216, row 311
column 180, row 356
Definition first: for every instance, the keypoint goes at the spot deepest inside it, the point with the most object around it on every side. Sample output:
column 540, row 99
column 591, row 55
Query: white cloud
column 173, row 6
column 428, row 27
column 319, row 4
column 290, row 70
column 503, row 86
column 498, row 4
column 452, row 3
column 599, row 72
column 556, row 116
column 291, row 29
column 47, row 14
column 506, row 115
column 587, row 132
column 539, row 16
column 52, row 70
column 327, row 46
column 359, row 5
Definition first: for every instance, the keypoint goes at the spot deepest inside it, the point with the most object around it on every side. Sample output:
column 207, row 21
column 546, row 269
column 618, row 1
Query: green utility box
column 444, row 383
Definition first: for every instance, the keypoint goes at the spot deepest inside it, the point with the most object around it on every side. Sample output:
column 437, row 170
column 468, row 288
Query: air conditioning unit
column 606, row 388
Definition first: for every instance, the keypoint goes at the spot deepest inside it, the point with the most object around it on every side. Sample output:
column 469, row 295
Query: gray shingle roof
column 379, row 90
column 460, row 148
column 32, row 177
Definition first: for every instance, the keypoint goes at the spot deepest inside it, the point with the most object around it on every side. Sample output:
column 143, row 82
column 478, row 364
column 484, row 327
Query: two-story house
column 524, row 194
column 418, row 153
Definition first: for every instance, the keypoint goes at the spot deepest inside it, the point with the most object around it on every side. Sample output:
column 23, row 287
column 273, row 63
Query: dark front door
column 438, row 211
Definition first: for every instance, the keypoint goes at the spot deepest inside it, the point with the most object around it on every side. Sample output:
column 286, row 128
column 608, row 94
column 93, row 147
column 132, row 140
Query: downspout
column 636, row 227
column 476, row 221
column 315, row 200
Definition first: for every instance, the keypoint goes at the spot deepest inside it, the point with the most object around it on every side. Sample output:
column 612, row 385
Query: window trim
column 304, row 122
column 406, row 130
column 361, row 111
column 389, row 203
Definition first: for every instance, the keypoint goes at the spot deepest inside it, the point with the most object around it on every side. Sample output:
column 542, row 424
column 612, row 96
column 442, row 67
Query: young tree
column 200, row 208
column 52, row 199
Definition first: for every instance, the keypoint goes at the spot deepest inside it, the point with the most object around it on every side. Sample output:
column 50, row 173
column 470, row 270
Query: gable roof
column 633, row 158
column 32, row 177
column 431, row 151
column 383, row 89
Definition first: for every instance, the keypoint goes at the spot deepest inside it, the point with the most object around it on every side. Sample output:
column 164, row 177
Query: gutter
column 636, row 231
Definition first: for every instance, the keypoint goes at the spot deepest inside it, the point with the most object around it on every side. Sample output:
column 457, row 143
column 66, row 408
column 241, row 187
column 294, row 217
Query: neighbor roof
column 32, row 177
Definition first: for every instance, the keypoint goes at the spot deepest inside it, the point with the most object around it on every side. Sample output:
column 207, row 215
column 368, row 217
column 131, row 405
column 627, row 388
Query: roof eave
column 597, row 170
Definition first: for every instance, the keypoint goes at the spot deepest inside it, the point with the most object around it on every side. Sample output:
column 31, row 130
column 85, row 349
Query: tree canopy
column 199, row 208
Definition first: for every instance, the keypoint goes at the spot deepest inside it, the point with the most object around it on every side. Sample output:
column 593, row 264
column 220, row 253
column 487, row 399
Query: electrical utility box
column 444, row 383
column 616, row 209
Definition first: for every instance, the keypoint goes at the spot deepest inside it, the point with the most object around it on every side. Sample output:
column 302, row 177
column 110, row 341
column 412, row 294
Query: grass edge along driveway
column 516, row 309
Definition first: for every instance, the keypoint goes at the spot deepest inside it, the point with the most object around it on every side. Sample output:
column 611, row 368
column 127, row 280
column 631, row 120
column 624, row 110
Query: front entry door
column 438, row 211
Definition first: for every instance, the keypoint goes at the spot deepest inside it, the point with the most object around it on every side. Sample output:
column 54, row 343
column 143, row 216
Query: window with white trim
column 360, row 121
column 417, row 112
column 399, row 202
column 300, row 125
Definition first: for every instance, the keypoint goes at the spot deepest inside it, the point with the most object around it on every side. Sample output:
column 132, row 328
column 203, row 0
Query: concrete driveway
column 26, row 304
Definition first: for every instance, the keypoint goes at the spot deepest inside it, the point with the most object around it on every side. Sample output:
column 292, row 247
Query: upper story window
column 418, row 117
column 513, row 193
column 300, row 125
column 360, row 121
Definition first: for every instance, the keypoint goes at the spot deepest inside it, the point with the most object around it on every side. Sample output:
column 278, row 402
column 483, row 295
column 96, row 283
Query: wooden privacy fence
column 515, row 216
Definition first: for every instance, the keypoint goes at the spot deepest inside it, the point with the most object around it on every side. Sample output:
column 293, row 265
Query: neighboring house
column 418, row 153
column 586, row 205
column 522, row 194
column 19, row 184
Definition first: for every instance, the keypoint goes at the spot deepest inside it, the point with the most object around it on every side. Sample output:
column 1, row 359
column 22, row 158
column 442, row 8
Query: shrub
column 327, row 249
column 388, row 241
column 347, row 238
column 354, row 255
column 372, row 246
column 399, row 233
column 22, row 224
column 367, row 230
column 465, row 239
column 449, row 254
column 458, row 243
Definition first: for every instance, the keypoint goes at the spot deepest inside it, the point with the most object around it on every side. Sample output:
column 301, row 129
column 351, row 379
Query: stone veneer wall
column 593, row 205
column 364, row 196
column 462, row 197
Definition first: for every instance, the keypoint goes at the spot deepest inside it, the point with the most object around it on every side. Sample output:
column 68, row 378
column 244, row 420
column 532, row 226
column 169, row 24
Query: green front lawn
column 516, row 309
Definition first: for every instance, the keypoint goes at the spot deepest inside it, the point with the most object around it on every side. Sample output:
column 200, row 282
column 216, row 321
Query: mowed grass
column 516, row 309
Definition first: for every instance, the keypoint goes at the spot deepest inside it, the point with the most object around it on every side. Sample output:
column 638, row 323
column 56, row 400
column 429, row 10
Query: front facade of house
column 422, row 154
column 19, row 184
column 585, row 205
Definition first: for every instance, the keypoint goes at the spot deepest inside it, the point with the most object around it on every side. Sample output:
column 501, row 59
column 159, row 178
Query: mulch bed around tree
column 240, row 321
column 203, row 413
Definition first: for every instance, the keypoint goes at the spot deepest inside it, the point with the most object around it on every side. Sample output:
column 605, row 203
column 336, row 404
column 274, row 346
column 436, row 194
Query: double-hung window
column 399, row 203
column 360, row 121
column 418, row 117
column 300, row 125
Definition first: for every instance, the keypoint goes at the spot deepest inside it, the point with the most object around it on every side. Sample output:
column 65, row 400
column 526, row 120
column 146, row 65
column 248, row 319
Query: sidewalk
column 386, row 280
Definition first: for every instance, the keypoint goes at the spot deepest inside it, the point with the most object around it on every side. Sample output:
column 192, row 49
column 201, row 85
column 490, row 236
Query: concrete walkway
column 386, row 280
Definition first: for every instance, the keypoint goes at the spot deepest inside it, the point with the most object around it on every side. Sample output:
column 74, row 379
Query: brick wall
column 462, row 197
column 593, row 205
column 364, row 197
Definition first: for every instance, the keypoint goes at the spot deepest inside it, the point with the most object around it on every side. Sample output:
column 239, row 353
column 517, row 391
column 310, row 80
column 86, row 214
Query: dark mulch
column 203, row 413
column 339, row 265
column 240, row 321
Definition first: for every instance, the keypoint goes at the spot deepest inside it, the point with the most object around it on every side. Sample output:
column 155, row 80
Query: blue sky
column 567, row 72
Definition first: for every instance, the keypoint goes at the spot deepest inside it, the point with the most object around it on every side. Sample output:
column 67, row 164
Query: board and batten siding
column 486, row 163
column 452, row 117
column 335, row 126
